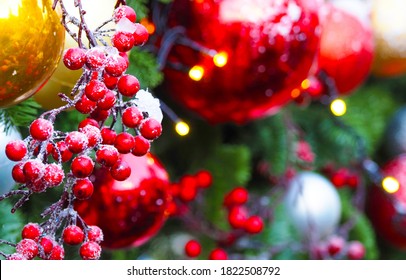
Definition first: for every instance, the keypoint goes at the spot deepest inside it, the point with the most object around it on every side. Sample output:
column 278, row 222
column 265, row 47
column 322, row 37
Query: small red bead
column 140, row 34
column 254, row 225
column 73, row 235
column 95, row 234
column 90, row 250
column 18, row 174
column 83, row 189
column 74, row 58
column 82, row 166
column 141, row 146
column 204, row 179
column 193, row 248
column 110, row 81
column 124, row 11
column 128, row 85
column 108, row 136
column 76, row 141
column 28, row 248
column 16, row 150
column 237, row 217
column 339, row 177
column 41, row 129
column 188, row 188
column 151, row 129
column 120, row 171
column 46, row 244
column 100, row 114
column 95, row 58
column 124, row 142
column 335, row 245
column 132, row 117
column 53, row 175
column 107, row 155
column 236, row 196
column 116, row 65
column 218, row 254
column 33, row 170
column 31, row 231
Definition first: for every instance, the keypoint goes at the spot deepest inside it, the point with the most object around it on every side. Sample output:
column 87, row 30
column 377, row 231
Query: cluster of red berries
column 103, row 93
column 238, row 214
column 37, row 243
column 193, row 249
column 342, row 177
column 337, row 247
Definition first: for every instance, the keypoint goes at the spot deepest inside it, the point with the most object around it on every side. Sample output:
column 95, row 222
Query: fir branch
column 21, row 114
column 145, row 67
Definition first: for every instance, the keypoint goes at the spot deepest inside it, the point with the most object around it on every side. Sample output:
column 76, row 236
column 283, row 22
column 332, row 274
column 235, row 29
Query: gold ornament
column 31, row 40
column 389, row 25
column 63, row 79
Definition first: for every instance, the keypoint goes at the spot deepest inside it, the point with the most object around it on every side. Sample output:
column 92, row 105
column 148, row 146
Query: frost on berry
column 28, row 248
column 16, row 257
column 73, row 235
column 31, row 231
column 53, row 175
column 90, row 251
column 95, row 58
column 93, row 135
column 74, row 58
column 95, row 234
column 76, row 141
column 16, row 150
column 41, row 129
column 124, row 11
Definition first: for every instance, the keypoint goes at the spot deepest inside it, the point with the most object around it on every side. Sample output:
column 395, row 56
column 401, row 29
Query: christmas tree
column 232, row 129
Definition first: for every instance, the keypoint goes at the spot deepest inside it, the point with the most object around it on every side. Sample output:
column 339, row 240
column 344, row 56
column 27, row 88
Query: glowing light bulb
column 196, row 73
column 390, row 184
column 220, row 59
column 305, row 84
column 182, row 128
column 148, row 25
column 338, row 107
column 295, row 93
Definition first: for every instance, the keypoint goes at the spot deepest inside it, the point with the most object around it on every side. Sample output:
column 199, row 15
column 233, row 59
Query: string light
column 338, row 107
column 148, row 25
column 196, row 73
column 220, row 59
column 182, row 128
column 305, row 84
column 295, row 93
column 390, row 184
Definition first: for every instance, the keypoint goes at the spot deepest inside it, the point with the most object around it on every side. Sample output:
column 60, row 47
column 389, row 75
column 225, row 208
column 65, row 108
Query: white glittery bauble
column 6, row 165
column 313, row 205
column 395, row 134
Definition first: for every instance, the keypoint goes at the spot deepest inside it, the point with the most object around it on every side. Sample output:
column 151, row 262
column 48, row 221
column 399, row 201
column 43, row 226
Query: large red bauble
column 346, row 48
column 383, row 209
column 271, row 45
column 129, row 212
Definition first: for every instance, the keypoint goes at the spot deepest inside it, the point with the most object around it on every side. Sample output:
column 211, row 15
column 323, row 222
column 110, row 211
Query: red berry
column 204, row 179
column 33, row 170
column 116, row 65
column 237, row 217
column 74, row 58
column 339, row 177
column 73, row 235
column 193, row 248
column 356, row 250
column 124, row 11
column 120, row 171
column 254, row 225
column 236, row 196
column 88, row 121
column 31, row 231
column 82, row 166
column 335, row 245
column 18, row 174
column 107, row 155
column 90, row 251
column 188, row 188
column 76, row 141
column 28, row 248
column 37, row 186
column 16, row 257
column 95, row 234
column 151, row 129
column 95, row 58
column 109, row 81
column 353, row 180
column 46, row 244
column 85, row 105
column 123, row 41
column 141, row 146
column 93, row 135
column 124, row 142
column 61, row 151
column 16, row 150
column 100, row 115
column 95, row 90
column 41, row 129
column 108, row 136
column 53, row 175
column 132, row 117
column 218, row 254
column 82, row 189
column 128, row 85
column 108, row 101
column 57, row 253
column 140, row 34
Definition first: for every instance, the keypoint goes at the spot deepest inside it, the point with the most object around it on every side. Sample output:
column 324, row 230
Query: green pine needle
column 21, row 114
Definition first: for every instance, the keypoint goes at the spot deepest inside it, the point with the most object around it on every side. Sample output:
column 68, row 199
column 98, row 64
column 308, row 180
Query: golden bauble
column 389, row 25
column 31, row 44
column 63, row 80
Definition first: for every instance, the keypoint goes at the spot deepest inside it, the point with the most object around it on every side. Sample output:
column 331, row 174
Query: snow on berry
column 108, row 101
column 107, row 155
column 41, row 129
column 115, row 65
column 28, row 248
column 61, row 152
column 149, row 104
column 150, row 128
column 16, row 150
column 74, row 58
column 77, row 141
column 90, row 250
column 73, row 235
column 95, row 58
column 95, row 234
column 16, row 257
column 108, row 136
column 53, row 175
column 31, row 231
column 123, row 41
column 33, row 169
column 57, row 253
column 124, row 11
column 93, row 135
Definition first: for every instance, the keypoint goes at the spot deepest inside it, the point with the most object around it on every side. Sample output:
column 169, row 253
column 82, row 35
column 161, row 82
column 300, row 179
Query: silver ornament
column 313, row 205
column 6, row 165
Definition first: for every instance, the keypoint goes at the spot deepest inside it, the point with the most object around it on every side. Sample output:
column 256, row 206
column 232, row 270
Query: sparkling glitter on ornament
column 270, row 47
column 31, row 40
column 129, row 212
column 313, row 205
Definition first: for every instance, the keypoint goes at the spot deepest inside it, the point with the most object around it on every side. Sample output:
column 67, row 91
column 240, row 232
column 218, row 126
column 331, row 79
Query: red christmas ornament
column 270, row 46
column 346, row 48
column 382, row 207
column 129, row 212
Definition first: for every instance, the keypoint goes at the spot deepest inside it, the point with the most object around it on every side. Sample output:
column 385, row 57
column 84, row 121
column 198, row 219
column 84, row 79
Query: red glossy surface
column 270, row 45
column 129, row 212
